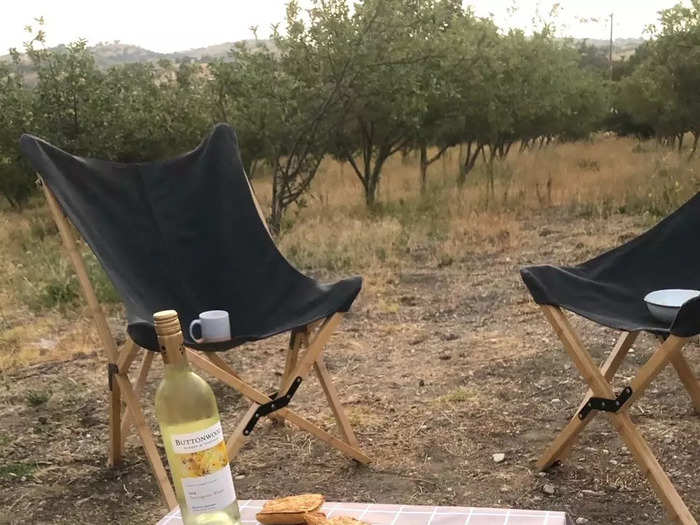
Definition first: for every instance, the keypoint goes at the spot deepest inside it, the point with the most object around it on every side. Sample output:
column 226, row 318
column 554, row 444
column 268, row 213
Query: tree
column 678, row 48
column 65, row 95
column 381, row 47
column 662, row 92
column 152, row 110
column 16, row 181
column 281, row 100
column 457, row 46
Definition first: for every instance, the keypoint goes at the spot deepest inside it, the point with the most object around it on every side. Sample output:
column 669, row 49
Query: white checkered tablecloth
column 377, row 514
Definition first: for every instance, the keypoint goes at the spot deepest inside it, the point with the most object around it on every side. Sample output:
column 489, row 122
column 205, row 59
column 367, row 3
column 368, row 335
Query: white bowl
column 664, row 304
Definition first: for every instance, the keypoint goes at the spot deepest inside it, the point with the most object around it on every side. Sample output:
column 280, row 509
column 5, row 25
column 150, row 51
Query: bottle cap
column 166, row 322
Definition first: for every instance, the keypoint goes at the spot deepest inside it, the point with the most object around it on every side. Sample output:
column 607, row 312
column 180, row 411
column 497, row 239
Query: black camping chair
column 610, row 290
column 187, row 234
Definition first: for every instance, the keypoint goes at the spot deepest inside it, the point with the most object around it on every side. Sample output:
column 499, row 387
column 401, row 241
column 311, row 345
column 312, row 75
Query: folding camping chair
column 610, row 290
column 187, row 234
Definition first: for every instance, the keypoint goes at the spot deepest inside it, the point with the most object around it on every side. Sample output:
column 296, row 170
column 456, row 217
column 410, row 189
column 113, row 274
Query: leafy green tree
column 678, row 48
column 16, row 182
column 527, row 88
column 382, row 46
column 66, row 93
column 457, row 46
column 151, row 110
column 281, row 100
column 359, row 83
column 662, row 92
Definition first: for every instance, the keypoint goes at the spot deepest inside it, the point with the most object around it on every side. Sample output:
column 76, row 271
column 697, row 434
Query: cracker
column 315, row 518
column 290, row 510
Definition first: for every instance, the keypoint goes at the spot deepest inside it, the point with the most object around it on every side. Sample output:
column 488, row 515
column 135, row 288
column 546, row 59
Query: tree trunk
column 423, row 166
column 507, row 150
column 469, row 161
column 373, row 175
column 490, row 185
column 13, row 204
column 276, row 205
column 249, row 167
column 371, row 192
column 696, row 135
column 445, row 160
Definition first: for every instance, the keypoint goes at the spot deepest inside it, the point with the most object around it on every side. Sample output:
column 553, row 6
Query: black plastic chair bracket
column 275, row 404
column 606, row 405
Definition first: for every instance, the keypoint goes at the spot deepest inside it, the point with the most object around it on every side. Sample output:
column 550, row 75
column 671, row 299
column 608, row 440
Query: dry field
column 442, row 362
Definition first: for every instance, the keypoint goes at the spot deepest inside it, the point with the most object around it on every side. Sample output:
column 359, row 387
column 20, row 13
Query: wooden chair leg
column 147, row 441
column 215, row 358
column 237, row 439
column 127, row 420
column 600, row 387
column 691, row 383
column 295, row 341
column 313, row 350
column 334, row 401
column 347, row 449
column 127, row 355
column 561, row 446
column 115, row 436
column 654, row 473
column 98, row 317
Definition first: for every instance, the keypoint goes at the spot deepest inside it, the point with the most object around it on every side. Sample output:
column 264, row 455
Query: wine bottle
column 192, row 435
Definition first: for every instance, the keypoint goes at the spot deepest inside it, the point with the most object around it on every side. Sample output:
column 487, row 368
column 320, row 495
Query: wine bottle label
column 198, row 441
column 205, row 472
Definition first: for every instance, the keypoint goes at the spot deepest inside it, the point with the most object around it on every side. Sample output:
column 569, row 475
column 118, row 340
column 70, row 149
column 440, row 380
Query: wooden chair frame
column 599, row 381
column 125, row 394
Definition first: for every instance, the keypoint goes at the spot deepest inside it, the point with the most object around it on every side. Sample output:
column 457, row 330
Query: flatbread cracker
column 315, row 518
column 290, row 510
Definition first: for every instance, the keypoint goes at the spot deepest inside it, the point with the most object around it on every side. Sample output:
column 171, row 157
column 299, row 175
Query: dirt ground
column 439, row 369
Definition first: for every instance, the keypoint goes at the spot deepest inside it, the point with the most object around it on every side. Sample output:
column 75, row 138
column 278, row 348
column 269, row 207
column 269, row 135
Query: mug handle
column 194, row 323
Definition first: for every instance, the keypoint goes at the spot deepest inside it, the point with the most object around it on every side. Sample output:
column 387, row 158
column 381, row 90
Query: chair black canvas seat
column 185, row 234
column 610, row 288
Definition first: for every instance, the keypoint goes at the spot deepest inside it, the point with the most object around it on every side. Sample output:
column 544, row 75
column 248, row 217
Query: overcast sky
column 167, row 25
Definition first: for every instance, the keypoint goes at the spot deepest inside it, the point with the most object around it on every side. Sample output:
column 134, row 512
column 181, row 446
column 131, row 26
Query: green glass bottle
column 194, row 443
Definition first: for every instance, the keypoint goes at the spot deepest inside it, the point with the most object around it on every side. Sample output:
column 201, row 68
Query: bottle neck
column 173, row 351
column 178, row 367
column 170, row 340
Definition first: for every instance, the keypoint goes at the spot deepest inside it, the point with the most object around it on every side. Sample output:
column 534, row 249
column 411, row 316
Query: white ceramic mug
column 214, row 325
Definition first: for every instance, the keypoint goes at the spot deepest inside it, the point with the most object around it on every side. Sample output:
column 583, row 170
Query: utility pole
column 611, row 47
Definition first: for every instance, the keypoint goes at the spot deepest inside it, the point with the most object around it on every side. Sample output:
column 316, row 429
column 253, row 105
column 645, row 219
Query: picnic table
column 379, row 514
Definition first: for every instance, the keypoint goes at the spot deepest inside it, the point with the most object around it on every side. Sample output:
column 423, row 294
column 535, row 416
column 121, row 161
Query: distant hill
column 109, row 54
column 114, row 53
column 622, row 47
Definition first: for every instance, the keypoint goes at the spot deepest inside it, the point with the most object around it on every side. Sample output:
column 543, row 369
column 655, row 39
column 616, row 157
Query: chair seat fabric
column 185, row 234
column 610, row 288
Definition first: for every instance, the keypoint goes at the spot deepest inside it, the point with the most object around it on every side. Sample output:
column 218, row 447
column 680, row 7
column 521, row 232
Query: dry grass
column 335, row 234
column 598, row 179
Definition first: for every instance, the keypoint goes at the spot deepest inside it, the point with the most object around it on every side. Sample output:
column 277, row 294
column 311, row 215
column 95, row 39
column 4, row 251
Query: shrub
column 588, row 164
column 37, row 397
